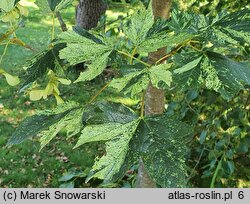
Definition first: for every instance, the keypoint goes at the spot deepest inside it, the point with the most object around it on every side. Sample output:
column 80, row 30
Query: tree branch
column 62, row 23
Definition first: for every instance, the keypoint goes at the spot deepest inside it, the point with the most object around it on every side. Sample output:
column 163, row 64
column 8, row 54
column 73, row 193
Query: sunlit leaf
column 160, row 73
column 7, row 5
column 11, row 80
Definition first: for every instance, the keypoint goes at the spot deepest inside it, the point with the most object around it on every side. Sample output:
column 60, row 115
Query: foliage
column 11, row 80
column 195, row 63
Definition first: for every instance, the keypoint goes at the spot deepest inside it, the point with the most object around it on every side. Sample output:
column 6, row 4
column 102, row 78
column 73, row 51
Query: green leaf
column 163, row 149
column 232, row 75
column 72, row 174
column 120, row 83
column 140, row 24
column 81, row 49
column 192, row 77
column 53, row 4
column 41, row 63
column 11, row 80
column 188, row 66
column 32, row 126
column 7, row 5
column 203, row 136
column 94, row 133
column 63, row 4
column 67, row 185
column 137, row 85
column 116, row 151
column 70, row 122
column 95, row 68
column 107, row 112
column 160, row 73
column 159, row 40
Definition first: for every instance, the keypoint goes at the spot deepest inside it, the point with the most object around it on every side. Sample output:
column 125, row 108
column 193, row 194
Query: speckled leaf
column 137, row 85
column 33, row 125
column 232, row 75
column 140, row 24
column 120, row 83
column 163, row 149
column 107, row 112
column 95, row 68
column 188, row 66
column 163, row 39
column 160, row 73
column 190, row 78
column 107, row 167
column 70, row 122
column 104, row 132
column 84, row 49
column 39, row 65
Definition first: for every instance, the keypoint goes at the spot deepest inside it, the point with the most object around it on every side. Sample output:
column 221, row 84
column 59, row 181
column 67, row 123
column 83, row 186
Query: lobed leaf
column 41, row 63
column 140, row 24
column 232, row 75
column 160, row 73
column 107, row 112
column 120, row 83
column 32, row 126
column 104, row 132
column 159, row 40
column 188, row 66
column 116, row 151
column 163, row 149
column 84, row 49
column 7, row 5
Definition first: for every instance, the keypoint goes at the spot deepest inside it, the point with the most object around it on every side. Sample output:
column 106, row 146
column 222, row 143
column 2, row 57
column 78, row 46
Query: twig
column 130, row 56
column 133, row 54
column 61, row 21
column 53, row 27
column 143, row 104
column 247, row 101
column 174, row 51
column 217, row 171
column 4, row 52
column 6, row 35
column 197, row 163
column 99, row 92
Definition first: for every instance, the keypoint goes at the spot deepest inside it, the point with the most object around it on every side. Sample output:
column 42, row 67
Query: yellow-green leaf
column 11, row 80
column 58, row 99
column 10, row 16
column 7, row 5
column 36, row 95
column 64, row 81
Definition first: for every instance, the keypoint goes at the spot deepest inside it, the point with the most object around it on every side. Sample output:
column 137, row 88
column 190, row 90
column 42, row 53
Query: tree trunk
column 88, row 13
column 154, row 98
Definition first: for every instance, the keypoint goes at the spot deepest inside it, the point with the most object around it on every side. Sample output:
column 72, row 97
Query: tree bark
column 154, row 97
column 88, row 13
